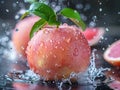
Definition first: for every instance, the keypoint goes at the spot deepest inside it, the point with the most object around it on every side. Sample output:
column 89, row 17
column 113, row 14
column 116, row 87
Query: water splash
column 94, row 72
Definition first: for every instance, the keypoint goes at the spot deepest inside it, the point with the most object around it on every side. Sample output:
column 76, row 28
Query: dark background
column 110, row 14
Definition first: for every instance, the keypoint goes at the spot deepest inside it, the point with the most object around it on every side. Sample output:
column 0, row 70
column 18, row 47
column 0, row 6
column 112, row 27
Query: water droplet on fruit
column 62, row 48
column 48, row 71
column 22, row 48
column 54, row 56
column 41, row 44
column 51, row 53
column 57, row 65
column 51, row 41
column 75, row 52
column 76, row 38
column 56, row 47
column 46, row 31
column 58, row 42
column 68, row 40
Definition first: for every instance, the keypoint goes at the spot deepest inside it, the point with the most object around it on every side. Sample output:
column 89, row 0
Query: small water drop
column 106, row 29
column 87, row 7
column 51, row 41
column 54, row 56
column 100, row 3
column 41, row 44
column 57, row 65
column 17, row 2
column 100, row 9
column 51, row 53
column 106, row 38
column 7, row 10
column 56, row 47
column 48, row 71
column 79, row 6
column 103, row 49
column 62, row 48
column 92, row 24
column 75, row 52
column 68, row 40
column 58, row 42
column 17, row 17
column 2, row 2
column 57, row 8
column 14, row 5
column 22, row 48
column 118, row 12
column 3, row 25
column 102, row 37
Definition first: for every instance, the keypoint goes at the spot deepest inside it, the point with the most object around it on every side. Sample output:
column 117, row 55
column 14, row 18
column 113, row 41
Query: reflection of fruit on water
column 113, row 76
column 93, row 35
column 114, row 73
column 20, row 36
column 56, row 52
column 115, row 85
column 112, row 54
column 25, row 86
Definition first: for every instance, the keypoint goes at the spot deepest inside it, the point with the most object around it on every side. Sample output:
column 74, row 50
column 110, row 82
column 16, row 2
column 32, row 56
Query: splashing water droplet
column 92, row 24
column 79, row 6
column 107, row 29
column 93, row 72
column 118, row 12
column 7, row 10
column 100, row 9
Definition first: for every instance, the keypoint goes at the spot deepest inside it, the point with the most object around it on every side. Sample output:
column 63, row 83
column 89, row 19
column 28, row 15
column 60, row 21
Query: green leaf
column 24, row 15
column 74, row 16
column 53, row 21
column 37, row 26
column 44, row 11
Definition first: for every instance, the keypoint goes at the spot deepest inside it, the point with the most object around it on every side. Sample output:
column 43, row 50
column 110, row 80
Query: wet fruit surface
column 112, row 54
column 56, row 52
column 20, row 36
column 93, row 35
